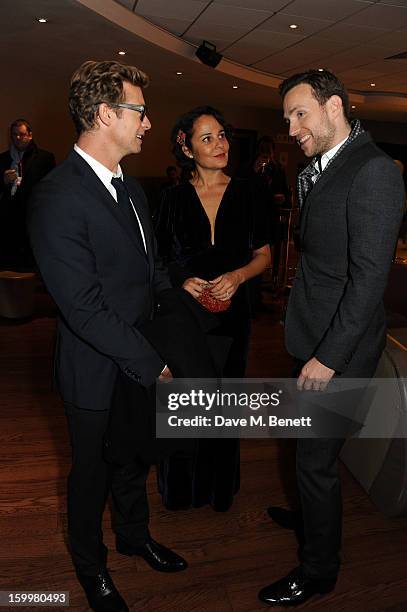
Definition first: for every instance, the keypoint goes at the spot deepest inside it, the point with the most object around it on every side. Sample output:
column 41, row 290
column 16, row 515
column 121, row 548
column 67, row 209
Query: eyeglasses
column 140, row 108
column 21, row 136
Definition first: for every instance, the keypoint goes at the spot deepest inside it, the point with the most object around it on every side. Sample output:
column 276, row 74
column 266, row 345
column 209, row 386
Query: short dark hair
column 323, row 83
column 18, row 122
column 185, row 124
column 96, row 82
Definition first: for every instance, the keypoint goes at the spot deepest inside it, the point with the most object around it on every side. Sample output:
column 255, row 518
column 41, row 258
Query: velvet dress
column 183, row 231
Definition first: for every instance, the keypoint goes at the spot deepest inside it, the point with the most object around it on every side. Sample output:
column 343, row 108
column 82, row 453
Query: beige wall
column 46, row 108
column 53, row 129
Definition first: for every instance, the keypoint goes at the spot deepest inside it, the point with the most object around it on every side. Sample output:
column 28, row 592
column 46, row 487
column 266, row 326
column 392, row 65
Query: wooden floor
column 231, row 555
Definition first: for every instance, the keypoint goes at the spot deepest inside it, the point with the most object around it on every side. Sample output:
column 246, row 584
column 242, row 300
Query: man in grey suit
column 351, row 198
column 92, row 238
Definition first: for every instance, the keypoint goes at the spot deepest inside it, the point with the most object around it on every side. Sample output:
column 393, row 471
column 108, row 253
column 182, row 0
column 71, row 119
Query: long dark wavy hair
column 185, row 124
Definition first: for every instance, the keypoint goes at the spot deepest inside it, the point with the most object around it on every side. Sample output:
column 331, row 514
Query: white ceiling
column 351, row 37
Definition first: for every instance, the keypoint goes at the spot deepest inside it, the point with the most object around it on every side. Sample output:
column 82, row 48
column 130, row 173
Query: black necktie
column 123, row 200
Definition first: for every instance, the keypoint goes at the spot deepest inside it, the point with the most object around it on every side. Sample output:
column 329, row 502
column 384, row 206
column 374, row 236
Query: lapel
column 94, row 186
column 144, row 219
column 317, row 188
column 327, row 175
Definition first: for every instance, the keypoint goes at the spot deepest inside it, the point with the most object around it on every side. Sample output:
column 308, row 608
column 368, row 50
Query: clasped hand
column 222, row 287
column 225, row 285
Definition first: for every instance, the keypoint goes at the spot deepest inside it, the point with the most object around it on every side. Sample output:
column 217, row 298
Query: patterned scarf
column 304, row 180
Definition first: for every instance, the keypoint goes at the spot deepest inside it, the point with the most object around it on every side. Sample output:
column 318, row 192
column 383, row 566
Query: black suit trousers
column 89, row 483
column 321, row 503
column 113, row 449
column 319, row 489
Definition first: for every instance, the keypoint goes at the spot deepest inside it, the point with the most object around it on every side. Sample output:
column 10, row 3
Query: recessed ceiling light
column 372, row 84
column 234, row 86
column 293, row 26
column 122, row 52
column 320, row 69
column 353, row 107
column 179, row 73
column 41, row 20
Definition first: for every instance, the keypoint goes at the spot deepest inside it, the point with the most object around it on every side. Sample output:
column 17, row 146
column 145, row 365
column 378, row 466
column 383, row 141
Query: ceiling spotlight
column 353, row 107
column 206, row 52
column 178, row 73
column 234, row 86
column 372, row 84
column 293, row 26
column 41, row 20
column 122, row 52
column 320, row 69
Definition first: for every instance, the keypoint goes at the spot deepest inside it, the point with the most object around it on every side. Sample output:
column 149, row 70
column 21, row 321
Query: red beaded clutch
column 211, row 303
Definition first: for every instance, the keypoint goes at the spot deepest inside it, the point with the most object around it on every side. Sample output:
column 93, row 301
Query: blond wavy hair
column 96, row 82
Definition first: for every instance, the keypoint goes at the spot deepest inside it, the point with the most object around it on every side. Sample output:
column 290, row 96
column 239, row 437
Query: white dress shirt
column 329, row 154
column 106, row 175
column 320, row 166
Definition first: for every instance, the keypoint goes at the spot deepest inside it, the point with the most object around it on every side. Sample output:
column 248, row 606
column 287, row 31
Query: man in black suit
column 351, row 198
column 92, row 239
column 22, row 166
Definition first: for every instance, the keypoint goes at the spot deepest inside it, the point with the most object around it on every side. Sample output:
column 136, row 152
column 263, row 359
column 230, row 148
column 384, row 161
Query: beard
column 324, row 139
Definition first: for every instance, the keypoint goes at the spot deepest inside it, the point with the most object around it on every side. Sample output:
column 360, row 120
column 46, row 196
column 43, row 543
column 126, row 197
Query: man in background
column 271, row 173
column 21, row 167
column 172, row 178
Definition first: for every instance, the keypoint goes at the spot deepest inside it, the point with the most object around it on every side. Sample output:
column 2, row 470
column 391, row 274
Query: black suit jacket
column 101, row 279
column 349, row 226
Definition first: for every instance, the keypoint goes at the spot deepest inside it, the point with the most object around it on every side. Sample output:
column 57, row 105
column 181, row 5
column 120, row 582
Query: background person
column 21, row 167
column 269, row 176
column 173, row 178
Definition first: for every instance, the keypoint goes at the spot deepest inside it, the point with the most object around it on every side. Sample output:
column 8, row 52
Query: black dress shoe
column 288, row 519
column 159, row 557
column 101, row 593
column 295, row 589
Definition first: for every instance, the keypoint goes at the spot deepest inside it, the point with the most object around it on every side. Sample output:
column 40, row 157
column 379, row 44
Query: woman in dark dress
column 211, row 231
